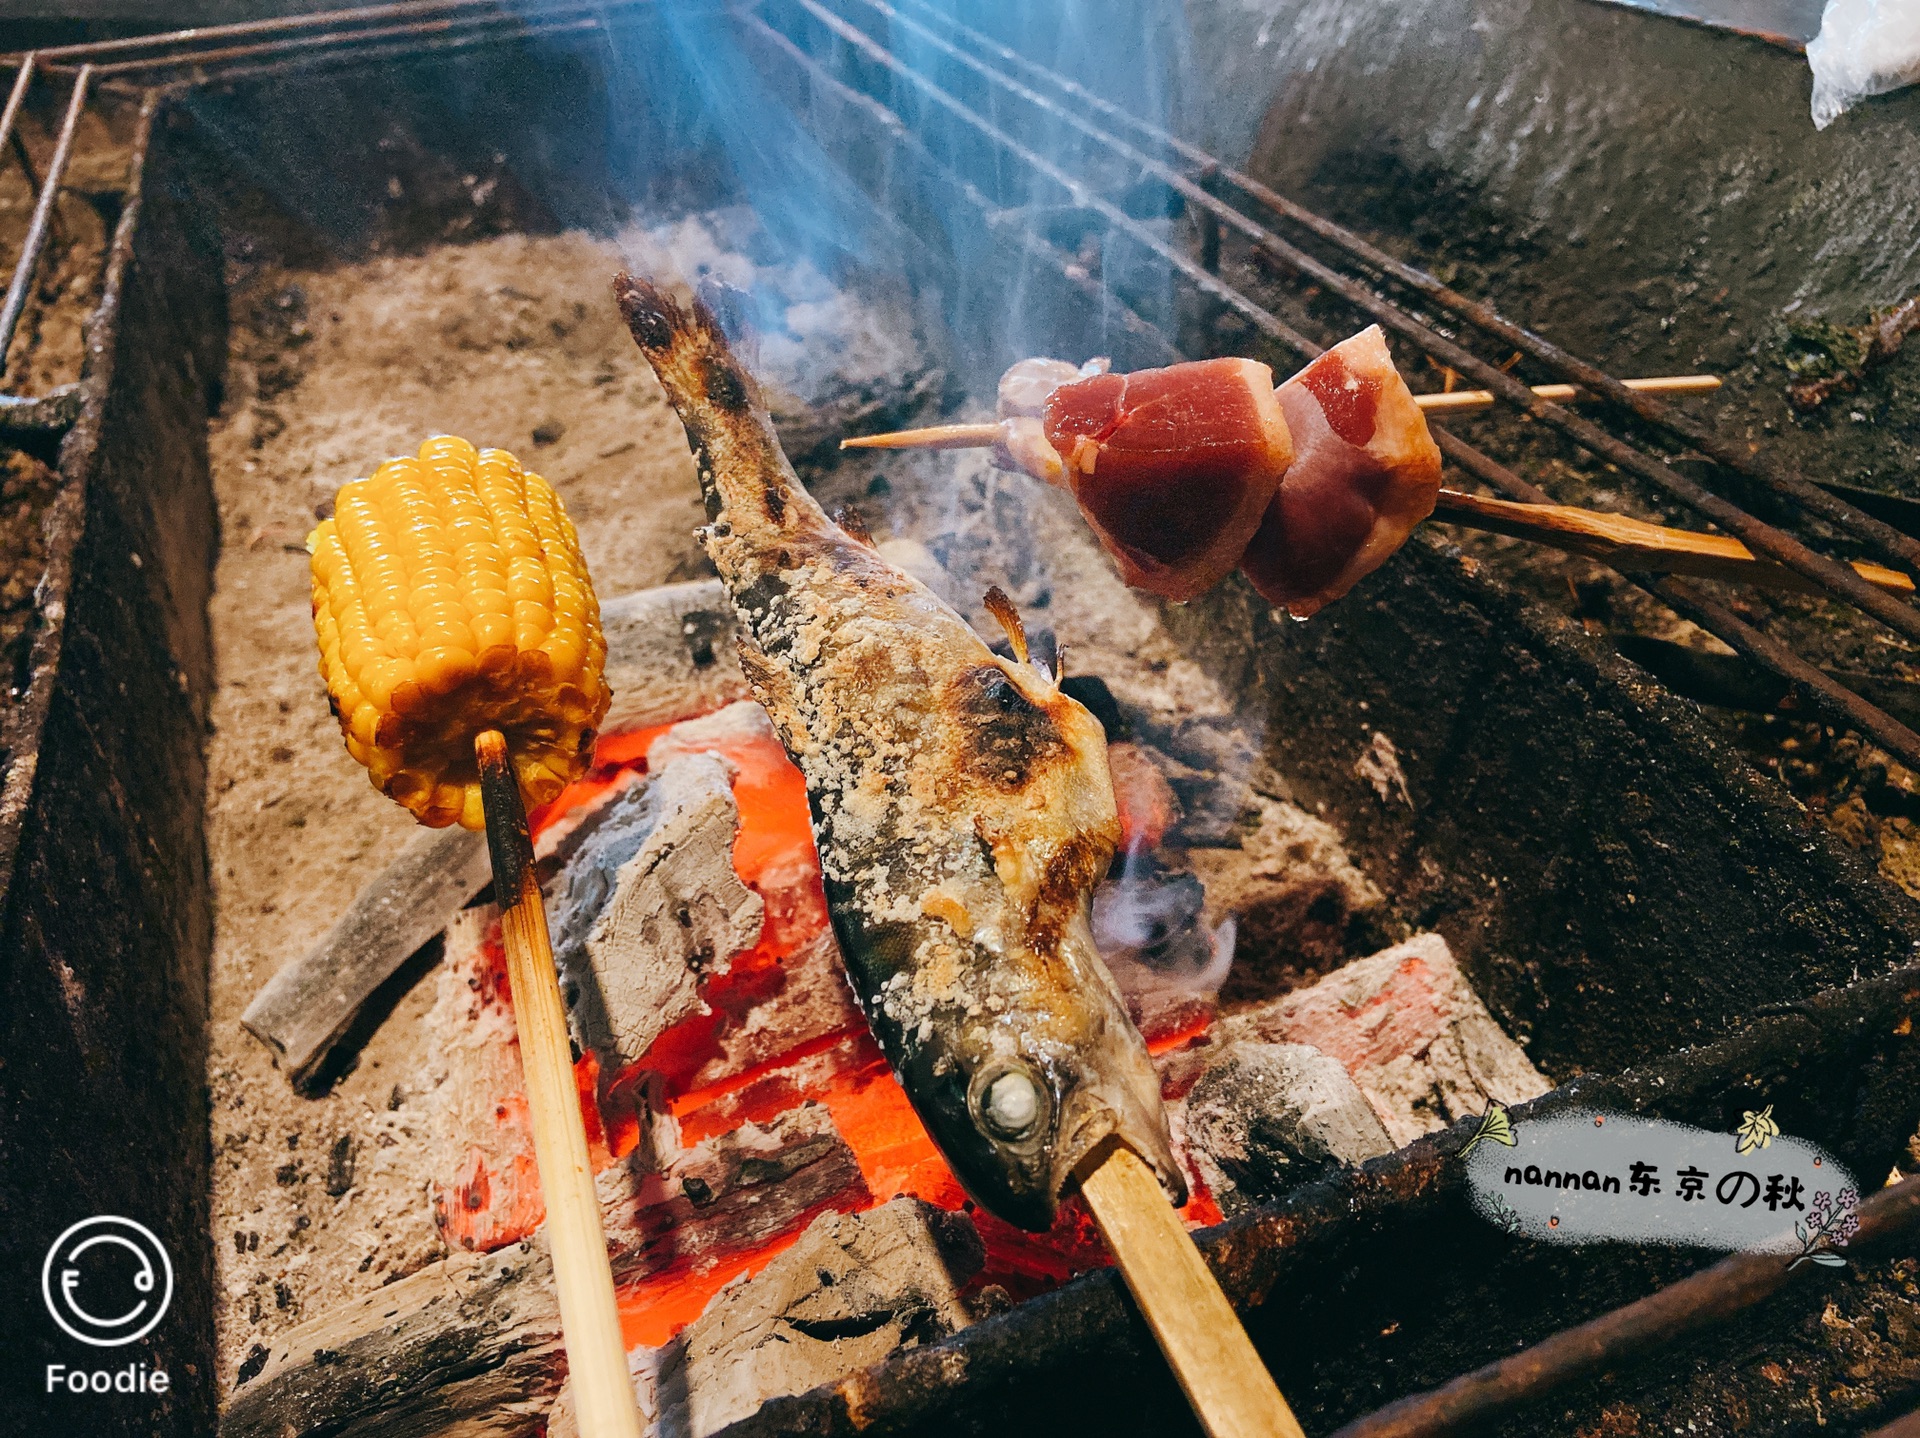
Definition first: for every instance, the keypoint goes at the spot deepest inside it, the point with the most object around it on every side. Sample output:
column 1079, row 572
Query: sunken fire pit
column 421, row 242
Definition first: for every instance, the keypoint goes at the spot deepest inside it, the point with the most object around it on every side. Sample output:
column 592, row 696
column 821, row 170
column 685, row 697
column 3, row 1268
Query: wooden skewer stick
column 589, row 1315
column 1465, row 399
column 985, row 436
column 1230, row 1389
column 1634, row 544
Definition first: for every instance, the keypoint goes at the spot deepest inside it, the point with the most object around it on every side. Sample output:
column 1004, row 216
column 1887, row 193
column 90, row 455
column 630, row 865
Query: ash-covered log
column 647, row 904
column 1408, row 1027
column 669, row 655
column 851, row 1291
column 472, row 1344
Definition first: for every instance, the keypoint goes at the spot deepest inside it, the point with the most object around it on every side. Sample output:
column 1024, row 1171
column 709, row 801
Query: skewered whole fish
column 961, row 804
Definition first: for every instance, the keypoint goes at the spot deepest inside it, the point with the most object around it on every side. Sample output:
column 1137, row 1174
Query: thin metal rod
column 896, row 129
column 502, row 25
column 1077, row 190
column 1833, row 699
column 15, row 98
column 325, row 20
column 1882, row 536
column 23, row 271
column 409, row 48
column 1474, row 1402
column 1834, row 578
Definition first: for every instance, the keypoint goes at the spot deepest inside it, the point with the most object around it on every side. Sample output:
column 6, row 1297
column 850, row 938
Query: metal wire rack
column 843, row 50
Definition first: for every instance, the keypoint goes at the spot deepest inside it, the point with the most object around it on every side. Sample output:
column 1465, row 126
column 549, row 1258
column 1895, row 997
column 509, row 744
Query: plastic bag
column 1865, row 47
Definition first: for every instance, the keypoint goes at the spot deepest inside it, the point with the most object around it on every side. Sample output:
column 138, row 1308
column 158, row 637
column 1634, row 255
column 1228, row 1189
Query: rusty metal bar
column 325, row 20
column 15, row 98
column 430, row 35
column 1033, row 244
column 402, row 50
column 1077, row 190
column 23, row 271
column 1884, row 537
column 1836, row 579
column 1826, row 694
column 289, row 48
column 1474, row 1401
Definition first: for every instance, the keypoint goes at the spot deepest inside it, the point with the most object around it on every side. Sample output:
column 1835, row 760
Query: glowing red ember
column 781, row 1030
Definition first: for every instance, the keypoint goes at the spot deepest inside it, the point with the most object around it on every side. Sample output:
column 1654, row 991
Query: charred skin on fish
column 961, row 804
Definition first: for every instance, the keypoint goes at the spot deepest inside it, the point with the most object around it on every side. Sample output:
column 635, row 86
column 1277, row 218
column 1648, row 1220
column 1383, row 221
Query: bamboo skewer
column 1634, row 544
column 589, row 1315
column 1613, row 539
column 984, row 436
column 1231, row 1391
column 1456, row 401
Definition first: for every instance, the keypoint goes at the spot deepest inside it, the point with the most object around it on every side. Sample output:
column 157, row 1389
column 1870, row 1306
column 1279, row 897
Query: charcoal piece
column 380, row 1363
column 1410, row 1029
column 850, row 1291
column 1152, row 917
column 646, row 905
column 1265, row 1118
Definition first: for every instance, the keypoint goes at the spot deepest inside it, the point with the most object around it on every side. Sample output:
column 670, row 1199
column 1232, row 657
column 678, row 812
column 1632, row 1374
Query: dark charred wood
column 1476, row 1399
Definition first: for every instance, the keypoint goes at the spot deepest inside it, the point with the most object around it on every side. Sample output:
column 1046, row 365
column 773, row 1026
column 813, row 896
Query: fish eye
column 1009, row 1103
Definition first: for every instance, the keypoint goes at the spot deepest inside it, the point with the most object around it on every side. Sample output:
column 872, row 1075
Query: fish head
column 1020, row 1082
column 1005, row 1027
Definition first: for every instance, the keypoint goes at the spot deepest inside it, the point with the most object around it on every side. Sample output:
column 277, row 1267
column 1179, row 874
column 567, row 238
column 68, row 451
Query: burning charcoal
column 471, row 1077
column 648, row 902
column 1145, row 800
column 1268, row 1117
column 1410, row 1029
column 378, row 1362
column 850, row 1291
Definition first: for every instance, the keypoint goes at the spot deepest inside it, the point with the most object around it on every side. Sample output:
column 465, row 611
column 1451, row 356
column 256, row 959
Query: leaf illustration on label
column 1494, row 1124
column 1756, row 1130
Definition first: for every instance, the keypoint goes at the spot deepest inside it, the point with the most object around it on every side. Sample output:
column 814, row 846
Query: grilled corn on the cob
column 450, row 597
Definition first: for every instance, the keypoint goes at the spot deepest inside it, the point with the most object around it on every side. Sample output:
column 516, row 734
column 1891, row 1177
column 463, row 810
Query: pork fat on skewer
column 961, row 804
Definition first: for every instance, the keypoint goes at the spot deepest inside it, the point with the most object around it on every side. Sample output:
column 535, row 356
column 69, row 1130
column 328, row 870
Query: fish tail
column 744, row 475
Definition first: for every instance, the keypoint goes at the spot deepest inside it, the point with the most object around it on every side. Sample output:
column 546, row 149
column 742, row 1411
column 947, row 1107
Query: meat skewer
column 963, row 812
column 1339, row 532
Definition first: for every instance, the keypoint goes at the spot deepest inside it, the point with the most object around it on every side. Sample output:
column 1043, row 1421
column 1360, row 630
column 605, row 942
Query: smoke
column 795, row 111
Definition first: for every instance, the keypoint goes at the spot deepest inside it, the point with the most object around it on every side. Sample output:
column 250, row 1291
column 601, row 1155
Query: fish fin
column 849, row 518
column 1001, row 608
column 773, row 687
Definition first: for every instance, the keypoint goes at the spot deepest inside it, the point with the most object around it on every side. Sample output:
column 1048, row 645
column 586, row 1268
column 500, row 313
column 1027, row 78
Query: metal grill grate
column 844, row 52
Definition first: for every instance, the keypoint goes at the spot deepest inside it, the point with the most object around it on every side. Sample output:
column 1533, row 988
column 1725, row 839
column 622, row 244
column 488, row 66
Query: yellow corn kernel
column 450, row 597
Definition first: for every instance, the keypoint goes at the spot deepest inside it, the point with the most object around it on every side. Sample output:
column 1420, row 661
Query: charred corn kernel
column 449, row 597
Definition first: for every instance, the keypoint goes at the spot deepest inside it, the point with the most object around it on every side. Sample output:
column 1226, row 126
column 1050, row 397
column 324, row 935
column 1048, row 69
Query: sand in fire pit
column 512, row 342
column 508, row 342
